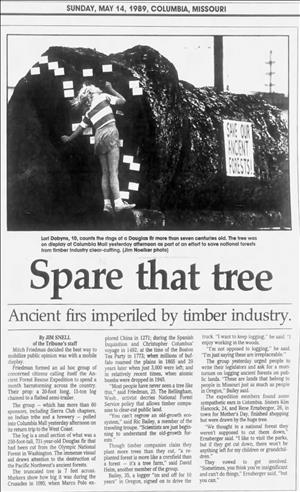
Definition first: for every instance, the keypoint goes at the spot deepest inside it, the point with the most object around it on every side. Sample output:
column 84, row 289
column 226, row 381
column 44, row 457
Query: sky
column 245, row 57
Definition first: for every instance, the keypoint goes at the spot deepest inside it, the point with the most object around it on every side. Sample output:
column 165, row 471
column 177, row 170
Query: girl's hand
column 65, row 139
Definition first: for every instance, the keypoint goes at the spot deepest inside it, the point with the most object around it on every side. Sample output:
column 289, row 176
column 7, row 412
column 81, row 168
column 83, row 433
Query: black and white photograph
column 150, row 246
column 148, row 132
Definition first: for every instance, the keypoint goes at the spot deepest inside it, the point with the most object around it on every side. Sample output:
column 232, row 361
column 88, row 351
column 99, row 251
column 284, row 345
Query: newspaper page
column 150, row 245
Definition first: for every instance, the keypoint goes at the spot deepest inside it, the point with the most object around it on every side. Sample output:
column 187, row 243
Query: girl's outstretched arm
column 75, row 134
column 109, row 88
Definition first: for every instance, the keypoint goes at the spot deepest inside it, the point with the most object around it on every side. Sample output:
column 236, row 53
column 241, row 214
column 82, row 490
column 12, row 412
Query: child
column 98, row 114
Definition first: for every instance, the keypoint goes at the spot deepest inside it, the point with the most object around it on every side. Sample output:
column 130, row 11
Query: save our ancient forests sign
column 238, row 148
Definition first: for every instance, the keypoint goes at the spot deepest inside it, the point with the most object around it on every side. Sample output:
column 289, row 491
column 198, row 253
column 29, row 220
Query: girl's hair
column 85, row 96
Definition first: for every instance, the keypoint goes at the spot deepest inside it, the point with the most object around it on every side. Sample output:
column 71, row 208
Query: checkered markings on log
column 129, row 176
column 132, row 186
column 127, row 159
column 53, row 65
column 69, row 93
column 35, row 71
column 107, row 68
column 68, row 84
column 133, row 83
column 68, row 88
column 124, row 195
column 87, row 72
column 134, row 166
column 59, row 71
column 136, row 90
column 43, row 59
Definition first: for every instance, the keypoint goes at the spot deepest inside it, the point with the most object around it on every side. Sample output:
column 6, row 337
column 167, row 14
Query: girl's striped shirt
column 100, row 112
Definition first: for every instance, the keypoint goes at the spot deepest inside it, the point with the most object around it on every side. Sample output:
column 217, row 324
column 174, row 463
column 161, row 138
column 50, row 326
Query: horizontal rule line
column 157, row 304
column 149, row 35
column 150, row 329
column 21, row 14
column 184, row 1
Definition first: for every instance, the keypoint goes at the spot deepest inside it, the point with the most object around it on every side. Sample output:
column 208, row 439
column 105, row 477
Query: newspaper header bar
column 150, row 8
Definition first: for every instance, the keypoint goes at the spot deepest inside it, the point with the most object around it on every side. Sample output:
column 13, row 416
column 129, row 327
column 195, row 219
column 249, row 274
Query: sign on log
column 238, row 148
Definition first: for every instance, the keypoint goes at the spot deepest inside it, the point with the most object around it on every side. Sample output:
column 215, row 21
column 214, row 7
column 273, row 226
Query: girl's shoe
column 124, row 206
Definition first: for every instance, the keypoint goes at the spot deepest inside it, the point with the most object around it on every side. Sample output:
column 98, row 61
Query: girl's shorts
column 106, row 138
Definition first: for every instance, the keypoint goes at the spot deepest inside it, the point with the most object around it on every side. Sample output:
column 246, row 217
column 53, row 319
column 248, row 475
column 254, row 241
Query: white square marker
column 68, row 84
column 92, row 140
column 127, row 159
column 43, row 59
column 87, row 131
column 137, row 91
column 133, row 186
column 134, row 83
column 53, row 65
column 107, row 68
column 74, row 126
column 121, row 142
column 35, row 71
column 134, row 166
column 69, row 93
column 87, row 72
column 124, row 195
column 59, row 71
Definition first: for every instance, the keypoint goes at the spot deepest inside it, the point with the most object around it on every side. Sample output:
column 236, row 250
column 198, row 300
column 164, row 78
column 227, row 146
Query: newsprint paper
column 150, row 245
